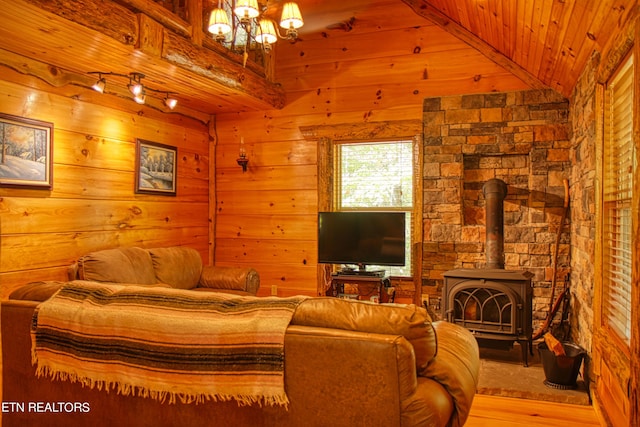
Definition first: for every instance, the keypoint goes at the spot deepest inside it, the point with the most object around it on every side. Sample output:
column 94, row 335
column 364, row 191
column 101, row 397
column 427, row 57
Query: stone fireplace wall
column 522, row 138
column 583, row 199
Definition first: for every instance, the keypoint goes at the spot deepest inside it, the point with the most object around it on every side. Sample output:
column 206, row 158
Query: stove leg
column 524, row 345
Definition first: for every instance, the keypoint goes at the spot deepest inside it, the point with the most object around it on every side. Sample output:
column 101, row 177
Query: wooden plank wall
column 92, row 204
column 377, row 72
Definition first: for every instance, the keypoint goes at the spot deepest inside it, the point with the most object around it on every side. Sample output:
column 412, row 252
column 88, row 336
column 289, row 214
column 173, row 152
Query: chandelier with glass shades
column 248, row 23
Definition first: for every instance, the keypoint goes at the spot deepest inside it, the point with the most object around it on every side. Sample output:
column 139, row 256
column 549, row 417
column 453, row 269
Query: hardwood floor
column 493, row 411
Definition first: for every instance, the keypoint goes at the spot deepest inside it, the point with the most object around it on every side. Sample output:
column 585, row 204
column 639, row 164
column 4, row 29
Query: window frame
column 615, row 364
column 324, row 136
column 621, row 341
column 337, row 195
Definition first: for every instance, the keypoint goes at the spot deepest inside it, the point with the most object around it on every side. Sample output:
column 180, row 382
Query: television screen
column 363, row 238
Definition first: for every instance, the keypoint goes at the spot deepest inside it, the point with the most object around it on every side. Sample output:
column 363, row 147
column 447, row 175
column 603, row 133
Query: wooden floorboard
column 494, row 411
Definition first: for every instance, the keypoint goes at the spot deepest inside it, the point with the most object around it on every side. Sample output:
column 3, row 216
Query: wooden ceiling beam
column 619, row 46
column 424, row 9
column 95, row 35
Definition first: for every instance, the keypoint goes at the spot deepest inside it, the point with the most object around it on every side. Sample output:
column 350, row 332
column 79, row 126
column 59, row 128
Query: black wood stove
column 493, row 303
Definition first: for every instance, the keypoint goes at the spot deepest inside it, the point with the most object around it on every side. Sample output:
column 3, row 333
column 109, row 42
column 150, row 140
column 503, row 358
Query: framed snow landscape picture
column 26, row 158
column 155, row 168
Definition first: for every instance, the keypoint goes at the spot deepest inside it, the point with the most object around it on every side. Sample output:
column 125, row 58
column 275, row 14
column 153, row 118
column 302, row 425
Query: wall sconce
column 242, row 158
column 135, row 86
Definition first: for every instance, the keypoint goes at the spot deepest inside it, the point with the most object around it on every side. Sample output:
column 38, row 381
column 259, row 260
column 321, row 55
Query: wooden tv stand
column 361, row 287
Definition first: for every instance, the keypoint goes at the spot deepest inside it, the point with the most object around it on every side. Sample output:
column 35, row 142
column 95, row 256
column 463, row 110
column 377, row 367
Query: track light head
column 170, row 102
column 135, row 84
column 141, row 97
column 100, row 85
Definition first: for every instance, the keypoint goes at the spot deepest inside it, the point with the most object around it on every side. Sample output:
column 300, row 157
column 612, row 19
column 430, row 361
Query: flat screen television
column 361, row 238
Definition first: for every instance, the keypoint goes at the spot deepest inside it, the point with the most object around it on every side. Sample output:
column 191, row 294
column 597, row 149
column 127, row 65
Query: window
column 377, row 176
column 618, row 172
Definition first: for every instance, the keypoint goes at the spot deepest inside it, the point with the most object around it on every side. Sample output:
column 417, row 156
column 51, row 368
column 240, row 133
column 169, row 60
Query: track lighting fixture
column 135, row 86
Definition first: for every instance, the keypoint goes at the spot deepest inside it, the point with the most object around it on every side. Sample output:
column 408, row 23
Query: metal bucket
column 561, row 372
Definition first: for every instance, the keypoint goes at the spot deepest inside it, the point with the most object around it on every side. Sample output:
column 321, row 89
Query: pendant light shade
column 291, row 16
column 266, row 32
column 219, row 22
column 246, row 9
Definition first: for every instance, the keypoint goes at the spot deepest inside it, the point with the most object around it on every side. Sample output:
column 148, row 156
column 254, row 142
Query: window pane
column 377, row 176
column 619, row 169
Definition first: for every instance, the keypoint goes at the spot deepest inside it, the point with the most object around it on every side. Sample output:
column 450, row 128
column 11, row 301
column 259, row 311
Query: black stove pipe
column 495, row 190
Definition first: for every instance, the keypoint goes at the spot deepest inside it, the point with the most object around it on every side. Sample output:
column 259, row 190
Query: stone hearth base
column 502, row 374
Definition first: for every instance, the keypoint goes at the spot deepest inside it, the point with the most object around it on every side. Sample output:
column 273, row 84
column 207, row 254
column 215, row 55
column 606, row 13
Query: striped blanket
column 163, row 343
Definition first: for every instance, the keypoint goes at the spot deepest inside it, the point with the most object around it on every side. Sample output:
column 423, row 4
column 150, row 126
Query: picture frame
column 155, row 168
column 26, row 152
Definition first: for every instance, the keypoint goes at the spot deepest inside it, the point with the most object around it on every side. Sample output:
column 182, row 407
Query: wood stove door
column 484, row 306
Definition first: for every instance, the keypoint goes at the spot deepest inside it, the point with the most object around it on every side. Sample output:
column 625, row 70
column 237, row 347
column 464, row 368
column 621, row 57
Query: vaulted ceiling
column 545, row 43
column 551, row 40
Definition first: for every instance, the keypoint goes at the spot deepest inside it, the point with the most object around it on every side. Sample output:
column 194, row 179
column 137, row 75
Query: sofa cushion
column 410, row 321
column 244, row 280
column 177, row 266
column 121, row 265
column 42, row 291
column 36, row 291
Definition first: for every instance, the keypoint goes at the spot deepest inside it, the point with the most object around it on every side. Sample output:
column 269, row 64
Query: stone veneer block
column 491, row 114
column 431, row 104
column 462, row 116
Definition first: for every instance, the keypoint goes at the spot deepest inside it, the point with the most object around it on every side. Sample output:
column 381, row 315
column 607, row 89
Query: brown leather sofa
column 177, row 267
column 347, row 363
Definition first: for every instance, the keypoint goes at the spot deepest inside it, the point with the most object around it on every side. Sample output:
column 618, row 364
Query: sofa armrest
column 72, row 271
column 456, row 367
column 235, row 279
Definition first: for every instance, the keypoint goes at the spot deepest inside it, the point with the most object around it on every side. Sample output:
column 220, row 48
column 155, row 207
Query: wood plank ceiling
column 546, row 43
column 551, row 40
